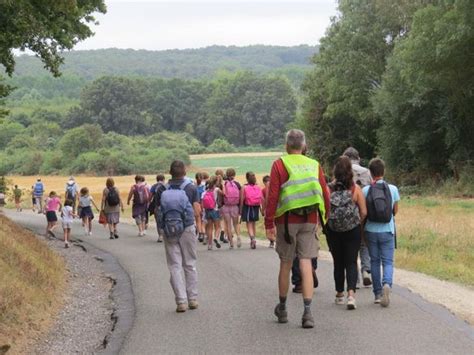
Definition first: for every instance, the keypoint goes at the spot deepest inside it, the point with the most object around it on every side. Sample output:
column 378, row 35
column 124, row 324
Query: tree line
column 396, row 79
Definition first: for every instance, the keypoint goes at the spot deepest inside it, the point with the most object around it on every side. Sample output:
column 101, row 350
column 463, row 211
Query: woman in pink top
column 53, row 204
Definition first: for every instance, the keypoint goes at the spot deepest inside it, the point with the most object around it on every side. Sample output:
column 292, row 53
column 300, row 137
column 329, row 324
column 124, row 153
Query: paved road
column 237, row 296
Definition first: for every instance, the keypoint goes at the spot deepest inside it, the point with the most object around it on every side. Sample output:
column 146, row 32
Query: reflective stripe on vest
column 302, row 188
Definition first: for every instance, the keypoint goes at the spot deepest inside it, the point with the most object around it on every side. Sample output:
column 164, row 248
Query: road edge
column 123, row 296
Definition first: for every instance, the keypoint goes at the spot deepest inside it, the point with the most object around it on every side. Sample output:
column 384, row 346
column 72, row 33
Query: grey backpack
column 175, row 209
column 344, row 215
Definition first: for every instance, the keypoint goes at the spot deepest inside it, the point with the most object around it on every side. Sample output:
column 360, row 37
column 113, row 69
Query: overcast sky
column 159, row 24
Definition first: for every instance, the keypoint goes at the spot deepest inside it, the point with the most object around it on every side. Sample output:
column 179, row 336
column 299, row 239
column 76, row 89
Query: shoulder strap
column 184, row 184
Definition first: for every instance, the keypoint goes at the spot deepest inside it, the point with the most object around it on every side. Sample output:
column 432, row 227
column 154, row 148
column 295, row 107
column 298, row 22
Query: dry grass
column 32, row 278
column 231, row 155
column 436, row 237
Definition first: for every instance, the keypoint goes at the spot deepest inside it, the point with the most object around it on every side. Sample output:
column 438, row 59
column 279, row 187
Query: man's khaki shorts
column 305, row 243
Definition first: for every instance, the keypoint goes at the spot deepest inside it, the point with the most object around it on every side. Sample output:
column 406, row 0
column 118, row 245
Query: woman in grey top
column 112, row 205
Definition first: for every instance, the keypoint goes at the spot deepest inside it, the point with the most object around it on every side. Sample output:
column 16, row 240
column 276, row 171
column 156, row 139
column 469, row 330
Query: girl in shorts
column 211, row 211
column 85, row 206
column 67, row 216
column 250, row 206
column 52, row 204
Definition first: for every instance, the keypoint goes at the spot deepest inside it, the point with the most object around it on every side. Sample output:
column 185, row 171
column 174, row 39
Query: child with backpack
column 111, row 206
column 17, row 195
column 52, row 204
column 231, row 209
column 140, row 194
column 250, row 206
column 348, row 211
column 266, row 184
column 221, row 179
column 85, row 205
column 382, row 205
column 201, row 190
column 154, row 207
column 67, row 216
column 211, row 211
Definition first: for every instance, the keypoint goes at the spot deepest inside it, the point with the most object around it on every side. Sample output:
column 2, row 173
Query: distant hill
column 185, row 64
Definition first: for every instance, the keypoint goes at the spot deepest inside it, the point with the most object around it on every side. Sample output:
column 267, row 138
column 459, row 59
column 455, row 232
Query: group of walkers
column 355, row 209
column 299, row 198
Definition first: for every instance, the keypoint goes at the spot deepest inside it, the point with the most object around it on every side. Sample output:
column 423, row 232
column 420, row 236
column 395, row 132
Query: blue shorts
column 213, row 215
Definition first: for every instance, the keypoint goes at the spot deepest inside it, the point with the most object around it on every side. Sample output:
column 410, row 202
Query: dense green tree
column 80, row 140
column 248, row 109
column 427, row 93
column 338, row 111
column 46, row 28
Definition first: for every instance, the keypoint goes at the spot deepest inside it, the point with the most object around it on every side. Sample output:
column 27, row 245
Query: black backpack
column 379, row 203
column 113, row 199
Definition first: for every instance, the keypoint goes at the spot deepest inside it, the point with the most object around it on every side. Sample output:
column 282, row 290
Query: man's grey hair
column 352, row 154
column 295, row 139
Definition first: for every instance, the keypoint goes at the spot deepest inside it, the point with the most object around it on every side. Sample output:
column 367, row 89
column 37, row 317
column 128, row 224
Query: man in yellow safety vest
column 297, row 198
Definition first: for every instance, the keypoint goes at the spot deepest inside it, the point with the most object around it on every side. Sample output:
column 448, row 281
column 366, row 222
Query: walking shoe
column 378, row 299
column 385, row 296
column 366, row 279
column 231, row 247
column 222, row 237
column 351, row 303
column 200, row 238
column 298, row 288
column 339, row 300
column 307, row 321
column 66, row 245
column 90, row 234
column 181, row 307
column 51, row 234
column 239, row 242
column 281, row 314
column 272, row 244
column 193, row 304
column 226, row 240
column 253, row 244
column 116, row 236
column 209, row 247
column 111, row 236
column 218, row 246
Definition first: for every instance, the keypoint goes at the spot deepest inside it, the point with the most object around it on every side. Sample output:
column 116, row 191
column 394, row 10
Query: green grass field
column 241, row 164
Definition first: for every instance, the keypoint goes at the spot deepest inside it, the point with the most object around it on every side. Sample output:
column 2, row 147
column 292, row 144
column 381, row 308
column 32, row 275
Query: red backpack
column 232, row 194
column 253, row 195
column 209, row 200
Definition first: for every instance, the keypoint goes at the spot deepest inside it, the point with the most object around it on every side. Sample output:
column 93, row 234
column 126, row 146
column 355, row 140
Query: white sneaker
column 239, row 242
column 385, row 296
column 339, row 300
column 351, row 303
column 90, row 233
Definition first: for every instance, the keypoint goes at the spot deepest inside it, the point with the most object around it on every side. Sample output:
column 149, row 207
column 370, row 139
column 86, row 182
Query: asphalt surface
column 238, row 292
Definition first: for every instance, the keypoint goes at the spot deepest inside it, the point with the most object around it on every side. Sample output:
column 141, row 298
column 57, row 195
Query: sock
column 282, row 303
column 307, row 305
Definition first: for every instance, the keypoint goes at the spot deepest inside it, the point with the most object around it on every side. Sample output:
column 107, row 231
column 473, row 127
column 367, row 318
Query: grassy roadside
column 32, row 278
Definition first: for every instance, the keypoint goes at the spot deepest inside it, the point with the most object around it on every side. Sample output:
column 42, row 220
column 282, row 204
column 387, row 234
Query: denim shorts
column 213, row 215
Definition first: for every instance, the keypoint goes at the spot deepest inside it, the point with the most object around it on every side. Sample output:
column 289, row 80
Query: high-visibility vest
column 302, row 188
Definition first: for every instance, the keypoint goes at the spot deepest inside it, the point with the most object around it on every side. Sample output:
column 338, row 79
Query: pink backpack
column 209, row 200
column 232, row 194
column 253, row 195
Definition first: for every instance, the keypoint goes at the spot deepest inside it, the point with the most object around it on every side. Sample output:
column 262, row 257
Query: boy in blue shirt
column 380, row 237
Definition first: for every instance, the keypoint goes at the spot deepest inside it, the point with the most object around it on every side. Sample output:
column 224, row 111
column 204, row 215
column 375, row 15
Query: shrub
column 220, row 145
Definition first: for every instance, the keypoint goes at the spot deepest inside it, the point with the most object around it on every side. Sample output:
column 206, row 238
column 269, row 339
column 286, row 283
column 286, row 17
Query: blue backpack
column 175, row 210
column 39, row 189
